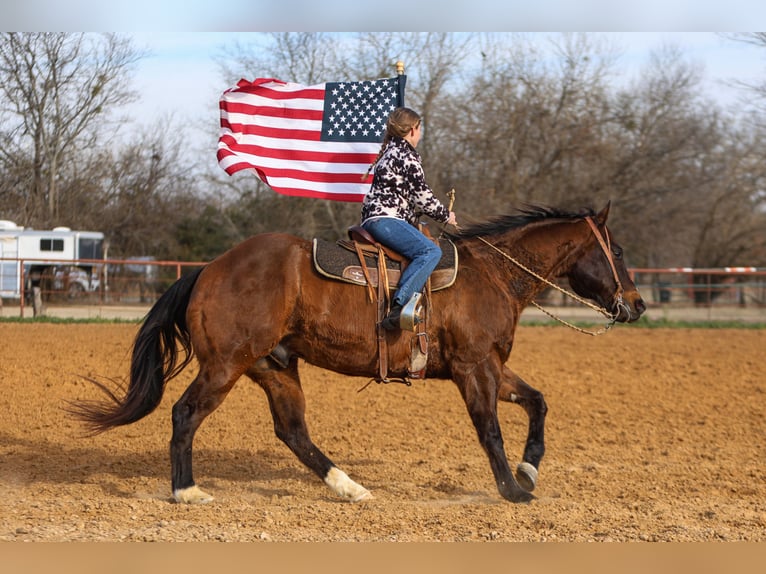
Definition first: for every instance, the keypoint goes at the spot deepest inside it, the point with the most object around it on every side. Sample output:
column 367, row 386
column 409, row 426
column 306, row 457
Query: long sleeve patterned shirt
column 399, row 187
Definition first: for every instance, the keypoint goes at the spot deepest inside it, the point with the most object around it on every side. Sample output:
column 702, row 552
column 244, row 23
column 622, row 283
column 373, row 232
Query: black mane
column 523, row 217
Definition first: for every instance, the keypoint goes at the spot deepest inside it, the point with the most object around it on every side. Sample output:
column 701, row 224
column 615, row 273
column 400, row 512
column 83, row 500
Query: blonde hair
column 400, row 122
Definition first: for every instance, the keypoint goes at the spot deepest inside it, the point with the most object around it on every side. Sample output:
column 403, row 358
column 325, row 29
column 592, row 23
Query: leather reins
column 606, row 248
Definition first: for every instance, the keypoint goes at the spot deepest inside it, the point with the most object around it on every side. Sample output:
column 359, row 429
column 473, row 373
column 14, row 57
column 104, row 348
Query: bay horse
column 264, row 294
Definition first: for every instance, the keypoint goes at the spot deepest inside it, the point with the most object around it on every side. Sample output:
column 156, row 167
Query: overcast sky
column 366, row 15
column 182, row 36
column 180, row 76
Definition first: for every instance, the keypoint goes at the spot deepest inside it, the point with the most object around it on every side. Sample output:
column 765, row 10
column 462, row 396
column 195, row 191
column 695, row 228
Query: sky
column 367, row 15
column 180, row 77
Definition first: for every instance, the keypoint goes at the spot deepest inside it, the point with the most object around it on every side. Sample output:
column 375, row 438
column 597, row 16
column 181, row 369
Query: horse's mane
column 522, row 217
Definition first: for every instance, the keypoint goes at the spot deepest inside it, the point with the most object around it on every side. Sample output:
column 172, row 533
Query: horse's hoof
column 192, row 495
column 344, row 487
column 366, row 495
column 526, row 476
column 518, row 495
column 525, row 498
column 356, row 494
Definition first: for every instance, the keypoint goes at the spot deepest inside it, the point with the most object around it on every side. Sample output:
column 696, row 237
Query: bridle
column 606, row 246
column 605, row 242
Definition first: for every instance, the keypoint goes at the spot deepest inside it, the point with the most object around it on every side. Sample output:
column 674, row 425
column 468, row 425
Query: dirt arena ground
column 652, row 435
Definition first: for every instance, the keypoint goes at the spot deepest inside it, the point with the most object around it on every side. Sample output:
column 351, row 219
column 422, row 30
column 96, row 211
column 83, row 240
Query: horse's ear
column 603, row 214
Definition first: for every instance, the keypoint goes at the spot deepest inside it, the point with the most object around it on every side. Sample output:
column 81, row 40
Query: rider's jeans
column 403, row 238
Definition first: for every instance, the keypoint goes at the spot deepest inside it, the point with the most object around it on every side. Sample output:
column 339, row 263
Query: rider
column 399, row 195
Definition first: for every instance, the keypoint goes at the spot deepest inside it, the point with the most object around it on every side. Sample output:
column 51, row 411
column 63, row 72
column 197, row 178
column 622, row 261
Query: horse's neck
column 546, row 250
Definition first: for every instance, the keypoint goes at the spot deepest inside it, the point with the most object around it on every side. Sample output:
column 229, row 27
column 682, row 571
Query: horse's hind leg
column 513, row 389
column 478, row 383
column 288, row 408
column 200, row 399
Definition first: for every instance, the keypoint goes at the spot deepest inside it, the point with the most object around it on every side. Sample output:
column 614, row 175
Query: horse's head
column 593, row 265
column 600, row 274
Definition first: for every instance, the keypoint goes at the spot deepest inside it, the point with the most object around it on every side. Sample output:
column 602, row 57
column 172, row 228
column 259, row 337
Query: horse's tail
column 155, row 360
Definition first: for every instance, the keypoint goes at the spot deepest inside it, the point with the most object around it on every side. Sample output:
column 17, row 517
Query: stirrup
column 412, row 313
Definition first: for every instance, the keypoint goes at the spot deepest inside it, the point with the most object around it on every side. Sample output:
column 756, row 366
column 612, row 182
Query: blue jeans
column 403, row 238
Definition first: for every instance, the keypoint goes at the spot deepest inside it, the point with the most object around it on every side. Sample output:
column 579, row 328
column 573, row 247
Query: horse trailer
column 58, row 259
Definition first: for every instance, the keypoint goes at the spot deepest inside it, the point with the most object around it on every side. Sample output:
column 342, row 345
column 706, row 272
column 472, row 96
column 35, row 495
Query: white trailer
column 62, row 256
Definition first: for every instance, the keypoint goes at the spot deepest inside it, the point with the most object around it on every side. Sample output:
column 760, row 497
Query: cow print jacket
column 399, row 187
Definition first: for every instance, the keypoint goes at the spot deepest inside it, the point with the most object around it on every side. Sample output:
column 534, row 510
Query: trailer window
column 90, row 248
column 51, row 245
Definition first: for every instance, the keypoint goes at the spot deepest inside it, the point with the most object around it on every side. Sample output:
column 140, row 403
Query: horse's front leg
column 513, row 389
column 479, row 384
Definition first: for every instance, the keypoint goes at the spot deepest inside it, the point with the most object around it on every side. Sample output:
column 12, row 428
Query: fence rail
column 684, row 293
column 128, row 287
column 741, row 286
column 42, row 283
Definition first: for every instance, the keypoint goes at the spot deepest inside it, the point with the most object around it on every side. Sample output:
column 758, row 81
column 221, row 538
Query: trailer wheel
column 75, row 290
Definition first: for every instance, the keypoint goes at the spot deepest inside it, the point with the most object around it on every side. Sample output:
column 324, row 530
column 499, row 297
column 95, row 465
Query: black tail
column 155, row 361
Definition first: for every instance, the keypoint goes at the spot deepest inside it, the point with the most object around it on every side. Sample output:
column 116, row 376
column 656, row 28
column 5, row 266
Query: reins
column 605, row 246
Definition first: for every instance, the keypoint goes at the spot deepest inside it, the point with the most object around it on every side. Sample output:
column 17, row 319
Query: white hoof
column 344, row 487
column 192, row 495
column 526, row 476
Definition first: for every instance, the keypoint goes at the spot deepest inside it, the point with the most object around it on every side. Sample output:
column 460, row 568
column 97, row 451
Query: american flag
column 309, row 141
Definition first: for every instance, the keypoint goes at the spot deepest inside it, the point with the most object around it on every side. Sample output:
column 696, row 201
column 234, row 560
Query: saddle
column 341, row 260
column 361, row 260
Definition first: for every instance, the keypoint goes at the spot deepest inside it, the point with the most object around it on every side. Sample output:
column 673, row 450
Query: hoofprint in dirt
column 652, row 435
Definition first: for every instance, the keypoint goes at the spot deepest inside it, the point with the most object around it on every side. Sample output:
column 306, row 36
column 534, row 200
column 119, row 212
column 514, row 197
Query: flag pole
column 401, row 80
column 451, row 196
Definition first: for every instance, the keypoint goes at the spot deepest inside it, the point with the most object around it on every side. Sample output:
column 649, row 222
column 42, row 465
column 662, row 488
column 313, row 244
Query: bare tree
column 431, row 59
column 139, row 193
column 731, row 226
column 530, row 125
column 304, row 57
column 756, row 106
column 58, row 94
column 665, row 138
column 434, row 61
column 510, row 120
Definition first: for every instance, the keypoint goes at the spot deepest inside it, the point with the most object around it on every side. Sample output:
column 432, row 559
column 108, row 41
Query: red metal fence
column 728, row 292
column 88, row 281
column 683, row 293
column 738, row 286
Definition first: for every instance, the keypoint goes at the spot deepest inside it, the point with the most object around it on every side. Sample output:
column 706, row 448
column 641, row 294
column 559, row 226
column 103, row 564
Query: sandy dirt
column 652, row 435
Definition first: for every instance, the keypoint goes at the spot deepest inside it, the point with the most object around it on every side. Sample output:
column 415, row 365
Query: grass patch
column 642, row 323
column 645, row 323
column 66, row 320
column 723, row 324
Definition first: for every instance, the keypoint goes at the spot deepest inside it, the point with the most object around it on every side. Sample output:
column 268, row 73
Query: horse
column 264, row 295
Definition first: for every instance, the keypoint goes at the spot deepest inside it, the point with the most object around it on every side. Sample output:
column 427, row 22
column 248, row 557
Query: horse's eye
column 617, row 251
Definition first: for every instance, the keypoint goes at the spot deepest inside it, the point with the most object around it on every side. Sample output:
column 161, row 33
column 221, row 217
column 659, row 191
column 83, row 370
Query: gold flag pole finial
column 399, row 68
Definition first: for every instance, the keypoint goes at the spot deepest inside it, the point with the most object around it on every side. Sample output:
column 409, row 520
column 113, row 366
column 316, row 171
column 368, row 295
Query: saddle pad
column 337, row 262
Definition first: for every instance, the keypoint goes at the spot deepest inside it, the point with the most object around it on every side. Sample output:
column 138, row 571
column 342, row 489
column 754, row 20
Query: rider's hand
column 452, row 219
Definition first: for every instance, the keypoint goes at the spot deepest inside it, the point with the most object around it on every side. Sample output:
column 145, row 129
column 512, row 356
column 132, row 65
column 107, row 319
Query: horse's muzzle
column 628, row 310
